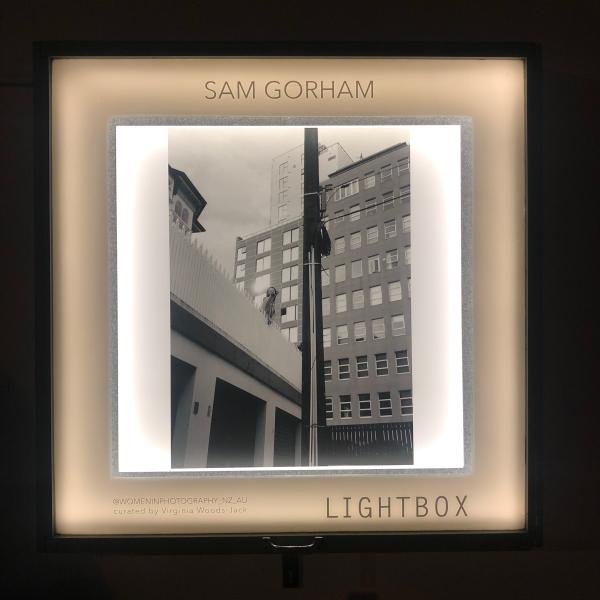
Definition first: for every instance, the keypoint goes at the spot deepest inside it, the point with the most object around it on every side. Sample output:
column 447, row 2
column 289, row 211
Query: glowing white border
column 144, row 422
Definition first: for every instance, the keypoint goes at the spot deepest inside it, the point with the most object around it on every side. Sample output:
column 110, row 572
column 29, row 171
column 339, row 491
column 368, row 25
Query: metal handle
column 307, row 546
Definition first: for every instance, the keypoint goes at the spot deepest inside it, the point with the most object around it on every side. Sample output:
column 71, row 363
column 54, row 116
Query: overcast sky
column 231, row 167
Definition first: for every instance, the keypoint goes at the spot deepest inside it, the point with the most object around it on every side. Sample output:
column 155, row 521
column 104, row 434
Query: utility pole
column 313, row 384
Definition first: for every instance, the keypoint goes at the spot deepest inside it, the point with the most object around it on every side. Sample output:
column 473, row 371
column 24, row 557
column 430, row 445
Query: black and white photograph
column 290, row 289
column 238, row 204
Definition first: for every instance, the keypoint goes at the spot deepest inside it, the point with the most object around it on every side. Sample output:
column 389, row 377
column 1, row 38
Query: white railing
column 203, row 285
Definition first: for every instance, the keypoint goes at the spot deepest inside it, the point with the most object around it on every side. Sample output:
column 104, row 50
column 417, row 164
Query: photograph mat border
column 466, row 182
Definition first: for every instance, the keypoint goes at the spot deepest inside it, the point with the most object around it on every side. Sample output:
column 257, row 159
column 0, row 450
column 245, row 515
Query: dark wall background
column 568, row 560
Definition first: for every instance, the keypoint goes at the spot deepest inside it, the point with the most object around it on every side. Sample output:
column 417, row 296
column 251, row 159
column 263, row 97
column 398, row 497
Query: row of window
column 390, row 231
column 291, row 236
column 382, row 366
column 358, row 298
column 354, row 212
column 289, row 293
column 359, row 329
column 373, row 264
column 365, row 409
column 370, row 179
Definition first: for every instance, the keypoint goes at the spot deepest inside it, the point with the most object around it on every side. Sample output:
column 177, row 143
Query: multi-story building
column 366, row 295
column 272, row 257
column 366, row 291
column 287, row 178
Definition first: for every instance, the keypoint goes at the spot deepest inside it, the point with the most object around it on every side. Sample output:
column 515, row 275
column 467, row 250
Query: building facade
column 366, row 298
column 287, row 178
column 272, row 257
column 366, row 291
column 235, row 383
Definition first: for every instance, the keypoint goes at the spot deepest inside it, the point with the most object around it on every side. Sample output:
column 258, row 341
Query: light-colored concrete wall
column 198, row 281
column 209, row 367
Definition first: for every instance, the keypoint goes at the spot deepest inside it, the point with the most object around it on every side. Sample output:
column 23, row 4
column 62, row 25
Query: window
column 388, row 201
column 394, row 291
column 293, row 334
column 241, row 253
column 340, row 273
column 378, row 329
column 283, row 169
column 326, row 337
column 369, row 180
column 347, row 189
column 258, row 300
column 398, row 325
column 338, row 216
column 345, row 407
column 289, row 273
column 326, row 303
column 262, row 283
column 386, row 173
column 406, row 223
column 372, row 234
column 328, row 408
column 375, row 295
column 325, row 277
column 357, row 268
column 409, row 286
column 358, row 299
column 402, row 365
column 407, row 255
column 283, row 212
column 283, row 183
column 262, row 264
column 360, row 331
column 374, row 264
column 381, row 364
column 290, row 236
column 327, row 370
column 343, row 368
column 290, row 254
column 362, row 366
column 364, row 405
column 289, row 293
column 370, row 207
column 406, row 403
column 385, row 404
column 403, row 164
column 340, row 303
column 288, row 313
column 389, row 229
column 240, row 271
column 355, row 240
column 404, row 193
column 263, row 246
column 240, row 285
column 355, row 212
column 342, row 334
column 391, row 259
column 283, row 197
column 339, row 245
